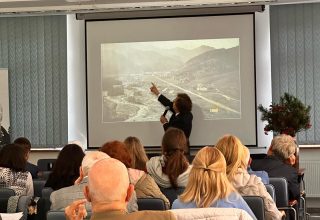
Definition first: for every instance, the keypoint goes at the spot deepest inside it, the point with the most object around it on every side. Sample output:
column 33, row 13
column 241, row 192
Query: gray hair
column 283, row 146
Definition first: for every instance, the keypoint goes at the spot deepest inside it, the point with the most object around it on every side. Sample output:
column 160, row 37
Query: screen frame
column 173, row 16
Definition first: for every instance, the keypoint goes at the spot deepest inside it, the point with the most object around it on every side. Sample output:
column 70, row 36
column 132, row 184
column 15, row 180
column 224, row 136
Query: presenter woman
column 181, row 108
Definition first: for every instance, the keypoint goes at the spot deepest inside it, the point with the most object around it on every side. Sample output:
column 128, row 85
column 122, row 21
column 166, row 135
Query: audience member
column 109, row 194
column 13, row 172
column 24, row 142
column 279, row 163
column 137, row 152
column 63, row 197
column 172, row 168
column 66, row 168
column 144, row 184
column 208, row 185
column 237, row 158
column 4, row 134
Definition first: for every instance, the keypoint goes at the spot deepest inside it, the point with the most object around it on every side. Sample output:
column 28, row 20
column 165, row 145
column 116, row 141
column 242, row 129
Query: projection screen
column 211, row 58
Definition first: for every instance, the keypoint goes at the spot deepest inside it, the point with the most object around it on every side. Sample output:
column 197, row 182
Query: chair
column 59, row 215
column 38, row 185
column 46, row 192
column 256, row 204
column 44, row 175
column 5, row 193
column 171, row 193
column 46, row 164
column 271, row 191
column 151, row 204
column 282, row 197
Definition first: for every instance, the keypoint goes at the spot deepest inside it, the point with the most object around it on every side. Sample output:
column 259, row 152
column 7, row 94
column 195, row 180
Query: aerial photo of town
column 208, row 70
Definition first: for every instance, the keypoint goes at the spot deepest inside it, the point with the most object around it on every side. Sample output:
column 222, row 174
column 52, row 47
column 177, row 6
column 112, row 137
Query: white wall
column 263, row 71
column 77, row 126
column 77, row 88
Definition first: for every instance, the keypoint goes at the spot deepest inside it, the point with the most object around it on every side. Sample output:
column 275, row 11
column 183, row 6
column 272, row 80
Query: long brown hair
column 138, row 154
column 174, row 145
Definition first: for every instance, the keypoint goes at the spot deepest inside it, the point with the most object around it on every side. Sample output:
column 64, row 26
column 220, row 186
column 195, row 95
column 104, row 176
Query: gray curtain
column 34, row 49
column 295, row 59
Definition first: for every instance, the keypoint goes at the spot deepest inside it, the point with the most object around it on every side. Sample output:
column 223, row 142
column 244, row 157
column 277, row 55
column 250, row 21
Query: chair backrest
column 151, row 204
column 281, row 190
column 38, row 185
column 46, row 164
column 271, row 191
column 5, row 193
column 46, row 192
column 256, row 204
column 211, row 213
column 171, row 193
column 44, row 175
column 59, row 215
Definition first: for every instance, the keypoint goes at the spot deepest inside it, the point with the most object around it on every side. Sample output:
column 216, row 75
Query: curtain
column 34, row 49
column 295, row 59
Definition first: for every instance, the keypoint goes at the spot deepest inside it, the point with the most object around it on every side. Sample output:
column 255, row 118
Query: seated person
column 237, row 158
column 66, row 168
column 109, row 193
column 24, row 142
column 172, row 168
column 137, row 152
column 13, row 172
column 209, row 186
column 63, row 197
column 279, row 163
column 144, row 184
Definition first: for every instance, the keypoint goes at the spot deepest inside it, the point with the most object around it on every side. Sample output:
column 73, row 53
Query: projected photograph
column 208, row 70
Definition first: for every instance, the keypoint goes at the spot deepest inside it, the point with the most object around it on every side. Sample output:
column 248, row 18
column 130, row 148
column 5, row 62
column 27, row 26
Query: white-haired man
column 63, row 197
column 279, row 163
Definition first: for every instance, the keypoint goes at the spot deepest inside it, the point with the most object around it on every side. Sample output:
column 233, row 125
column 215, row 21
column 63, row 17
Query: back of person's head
column 108, row 185
column 183, row 103
column 23, row 141
column 66, row 168
column 208, row 180
column 283, row 146
column 13, row 156
column 174, row 146
column 233, row 150
column 90, row 159
column 119, row 151
column 137, row 152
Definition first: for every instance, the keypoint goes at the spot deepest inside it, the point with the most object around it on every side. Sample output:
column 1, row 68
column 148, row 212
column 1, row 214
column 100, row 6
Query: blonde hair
column 137, row 152
column 283, row 146
column 208, row 181
column 234, row 154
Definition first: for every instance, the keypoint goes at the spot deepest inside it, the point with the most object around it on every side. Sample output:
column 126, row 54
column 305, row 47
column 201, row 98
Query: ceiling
column 72, row 6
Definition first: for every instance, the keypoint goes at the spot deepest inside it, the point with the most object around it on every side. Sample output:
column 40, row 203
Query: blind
column 34, row 51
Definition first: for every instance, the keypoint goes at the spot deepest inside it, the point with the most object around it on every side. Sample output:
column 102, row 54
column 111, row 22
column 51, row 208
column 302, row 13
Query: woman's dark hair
column 174, row 145
column 119, row 151
column 13, row 156
column 183, row 103
column 24, row 142
column 66, row 168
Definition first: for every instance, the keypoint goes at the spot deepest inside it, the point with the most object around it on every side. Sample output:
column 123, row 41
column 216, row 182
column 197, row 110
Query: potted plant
column 288, row 117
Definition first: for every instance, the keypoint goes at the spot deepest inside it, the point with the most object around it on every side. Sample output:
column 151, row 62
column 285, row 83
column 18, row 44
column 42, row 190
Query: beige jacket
column 251, row 185
column 146, row 187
